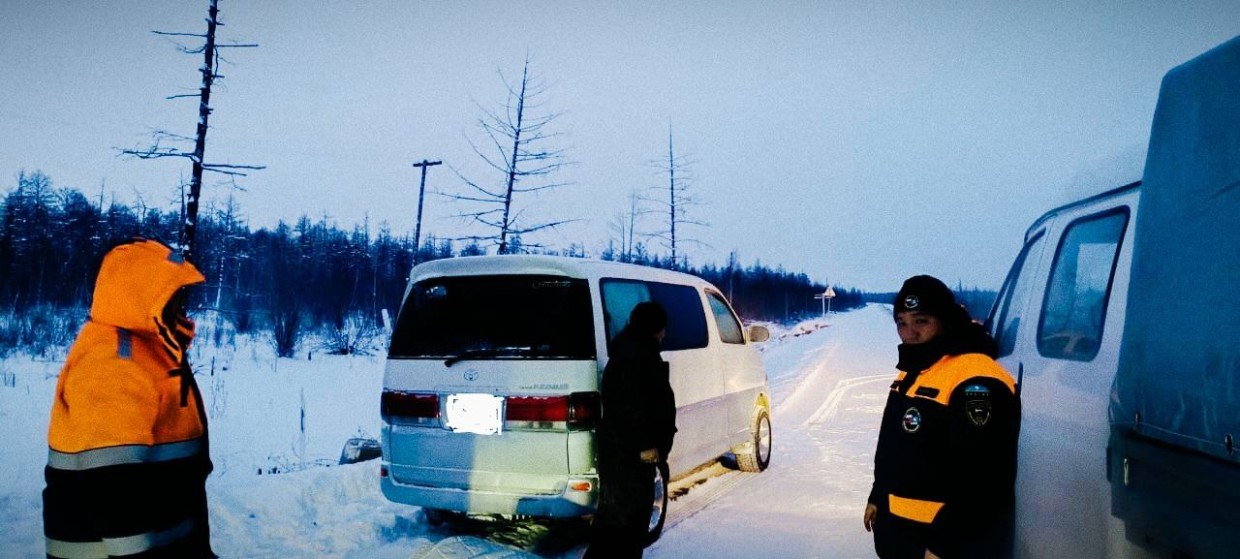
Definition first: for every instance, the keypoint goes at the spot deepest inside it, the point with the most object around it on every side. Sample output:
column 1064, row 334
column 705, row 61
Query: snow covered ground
column 275, row 424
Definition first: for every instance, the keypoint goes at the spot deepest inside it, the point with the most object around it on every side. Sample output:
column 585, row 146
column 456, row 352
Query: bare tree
column 516, row 137
column 211, row 59
column 675, row 202
column 624, row 224
column 232, row 249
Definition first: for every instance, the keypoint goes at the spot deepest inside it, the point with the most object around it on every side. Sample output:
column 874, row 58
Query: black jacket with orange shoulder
column 946, row 455
column 127, row 456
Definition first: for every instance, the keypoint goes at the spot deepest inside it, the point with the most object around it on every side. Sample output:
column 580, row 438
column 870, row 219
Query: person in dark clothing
column 945, row 465
column 635, row 434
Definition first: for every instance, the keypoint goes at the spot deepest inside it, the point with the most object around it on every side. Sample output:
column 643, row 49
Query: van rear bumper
column 567, row 503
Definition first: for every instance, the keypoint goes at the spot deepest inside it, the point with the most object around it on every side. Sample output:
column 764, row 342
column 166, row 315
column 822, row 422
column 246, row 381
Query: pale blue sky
column 859, row 142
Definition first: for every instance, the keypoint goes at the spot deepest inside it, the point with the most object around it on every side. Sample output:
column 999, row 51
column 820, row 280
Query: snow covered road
column 829, row 388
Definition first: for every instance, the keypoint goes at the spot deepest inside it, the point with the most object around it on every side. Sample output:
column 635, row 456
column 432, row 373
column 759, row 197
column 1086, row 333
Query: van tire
column 757, row 456
column 658, row 504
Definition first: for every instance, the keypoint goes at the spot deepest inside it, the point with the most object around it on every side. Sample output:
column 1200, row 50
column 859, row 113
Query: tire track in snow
column 709, row 484
column 830, row 406
column 703, row 488
column 794, row 402
column 824, row 427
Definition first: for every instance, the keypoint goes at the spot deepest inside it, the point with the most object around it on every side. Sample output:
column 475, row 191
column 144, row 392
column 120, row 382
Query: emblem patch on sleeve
column 912, row 420
column 978, row 412
column 976, row 391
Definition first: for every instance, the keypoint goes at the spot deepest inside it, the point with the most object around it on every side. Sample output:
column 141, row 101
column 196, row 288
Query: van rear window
column 509, row 316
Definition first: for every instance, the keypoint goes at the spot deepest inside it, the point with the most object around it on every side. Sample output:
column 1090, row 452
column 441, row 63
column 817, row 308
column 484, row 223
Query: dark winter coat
column 945, row 466
column 639, row 408
column 639, row 413
column 128, row 457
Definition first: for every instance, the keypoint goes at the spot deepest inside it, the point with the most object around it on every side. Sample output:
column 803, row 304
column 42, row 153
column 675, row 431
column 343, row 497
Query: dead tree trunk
column 671, row 193
column 210, row 62
column 677, row 202
column 190, row 228
column 515, row 136
column 512, row 165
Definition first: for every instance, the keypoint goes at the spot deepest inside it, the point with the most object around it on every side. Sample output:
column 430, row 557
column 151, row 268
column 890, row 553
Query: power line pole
column 417, row 228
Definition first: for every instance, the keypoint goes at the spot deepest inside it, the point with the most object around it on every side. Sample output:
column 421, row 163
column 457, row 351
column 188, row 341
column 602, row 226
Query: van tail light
column 413, row 407
column 584, row 409
column 575, row 411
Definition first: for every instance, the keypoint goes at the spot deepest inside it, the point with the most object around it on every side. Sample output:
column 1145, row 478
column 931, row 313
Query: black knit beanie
column 926, row 294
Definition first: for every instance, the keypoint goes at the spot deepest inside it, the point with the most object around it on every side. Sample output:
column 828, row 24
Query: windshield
column 500, row 317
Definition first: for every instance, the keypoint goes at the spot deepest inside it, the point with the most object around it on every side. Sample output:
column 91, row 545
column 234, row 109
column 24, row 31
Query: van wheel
column 757, row 456
column 658, row 508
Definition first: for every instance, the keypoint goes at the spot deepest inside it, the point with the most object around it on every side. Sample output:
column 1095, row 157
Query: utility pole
column 417, row 228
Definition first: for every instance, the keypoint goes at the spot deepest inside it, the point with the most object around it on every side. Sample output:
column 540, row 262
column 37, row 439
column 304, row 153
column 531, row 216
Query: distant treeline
column 306, row 277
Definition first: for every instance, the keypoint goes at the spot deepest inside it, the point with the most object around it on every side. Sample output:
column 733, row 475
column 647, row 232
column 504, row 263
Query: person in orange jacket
column 128, row 457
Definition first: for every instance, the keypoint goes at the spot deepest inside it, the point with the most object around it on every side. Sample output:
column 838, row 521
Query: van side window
column 686, row 321
column 619, row 298
column 1075, row 307
column 729, row 329
column 1006, row 320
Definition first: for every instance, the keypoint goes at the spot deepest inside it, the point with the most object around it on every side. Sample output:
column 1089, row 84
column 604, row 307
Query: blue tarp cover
column 1179, row 367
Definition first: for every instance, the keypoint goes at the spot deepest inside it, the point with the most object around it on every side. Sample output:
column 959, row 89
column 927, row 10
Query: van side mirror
column 758, row 334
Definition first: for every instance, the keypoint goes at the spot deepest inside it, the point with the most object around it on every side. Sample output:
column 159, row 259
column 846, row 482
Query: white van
column 491, row 388
column 1120, row 320
column 1058, row 320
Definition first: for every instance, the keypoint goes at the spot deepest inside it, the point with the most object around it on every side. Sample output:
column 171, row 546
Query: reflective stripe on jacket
column 127, row 441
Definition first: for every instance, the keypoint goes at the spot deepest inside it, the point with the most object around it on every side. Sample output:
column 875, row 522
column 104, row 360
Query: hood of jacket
column 135, row 283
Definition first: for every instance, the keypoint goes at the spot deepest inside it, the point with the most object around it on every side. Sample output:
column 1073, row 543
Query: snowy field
column 278, row 425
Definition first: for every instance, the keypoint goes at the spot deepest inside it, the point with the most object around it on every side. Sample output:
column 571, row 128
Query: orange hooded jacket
column 128, row 429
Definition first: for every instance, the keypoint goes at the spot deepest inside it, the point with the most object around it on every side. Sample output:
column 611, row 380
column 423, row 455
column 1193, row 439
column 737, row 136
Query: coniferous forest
column 308, row 278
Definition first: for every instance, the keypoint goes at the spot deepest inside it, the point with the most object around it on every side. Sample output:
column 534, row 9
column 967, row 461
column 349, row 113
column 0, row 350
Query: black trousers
column 626, row 488
column 897, row 538
column 984, row 538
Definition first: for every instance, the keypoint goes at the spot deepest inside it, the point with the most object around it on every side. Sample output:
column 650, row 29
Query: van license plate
column 482, row 414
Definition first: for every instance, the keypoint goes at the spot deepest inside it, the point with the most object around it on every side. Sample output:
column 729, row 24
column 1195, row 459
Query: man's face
column 176, row 306
column 916, row 327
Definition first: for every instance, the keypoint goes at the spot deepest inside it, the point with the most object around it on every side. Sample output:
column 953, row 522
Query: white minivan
column 492, row 385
